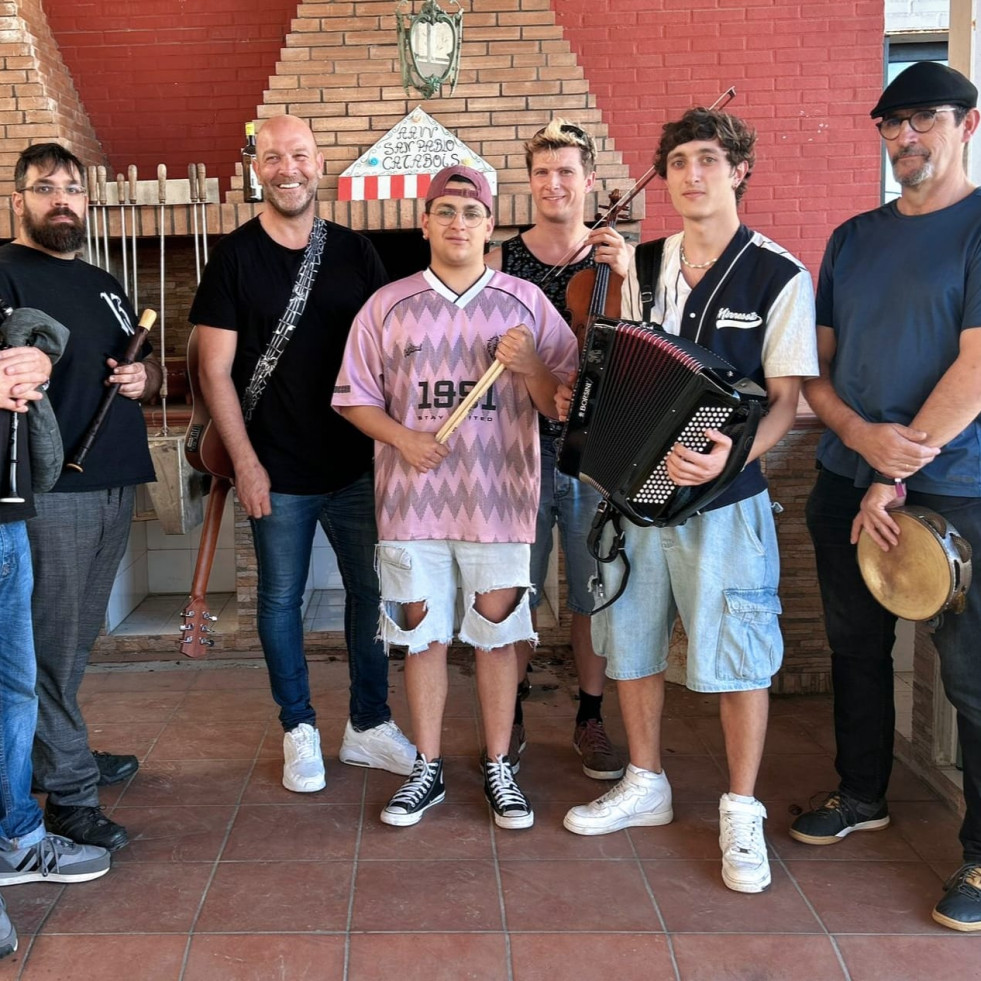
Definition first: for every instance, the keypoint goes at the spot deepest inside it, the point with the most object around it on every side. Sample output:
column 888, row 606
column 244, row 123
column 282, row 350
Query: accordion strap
column 606, row 514
column 647, row 260
column 309, row 266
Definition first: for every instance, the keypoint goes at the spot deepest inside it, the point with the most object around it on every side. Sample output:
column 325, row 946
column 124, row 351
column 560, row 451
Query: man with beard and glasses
column 297, row 463
column 899, row 304
column 79, row 535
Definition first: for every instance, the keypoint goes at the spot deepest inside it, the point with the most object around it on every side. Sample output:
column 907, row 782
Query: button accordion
column 640, row 391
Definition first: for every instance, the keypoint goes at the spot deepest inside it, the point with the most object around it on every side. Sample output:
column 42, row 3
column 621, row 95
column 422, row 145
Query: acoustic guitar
column 205, row 452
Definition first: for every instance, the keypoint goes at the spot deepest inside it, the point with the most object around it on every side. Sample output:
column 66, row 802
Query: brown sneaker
column 599, row 759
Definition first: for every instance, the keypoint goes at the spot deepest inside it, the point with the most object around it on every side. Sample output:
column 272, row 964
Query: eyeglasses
column 472, row 217
column 47, row 190
column 921, row 121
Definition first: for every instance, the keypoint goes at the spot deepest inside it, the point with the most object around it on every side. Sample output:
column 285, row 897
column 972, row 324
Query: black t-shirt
column 306, row 447
column 15, row 512
column 94, row 308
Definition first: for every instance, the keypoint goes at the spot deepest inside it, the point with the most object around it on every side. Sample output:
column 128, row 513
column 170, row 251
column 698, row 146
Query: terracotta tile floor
column 229, row 876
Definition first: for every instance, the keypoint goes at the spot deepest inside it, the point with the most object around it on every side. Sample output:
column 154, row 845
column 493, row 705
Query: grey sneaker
column 53, row 859
column 383, row 747
column 8, row 935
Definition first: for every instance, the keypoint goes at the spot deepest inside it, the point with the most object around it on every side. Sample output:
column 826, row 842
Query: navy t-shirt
column 898, row 290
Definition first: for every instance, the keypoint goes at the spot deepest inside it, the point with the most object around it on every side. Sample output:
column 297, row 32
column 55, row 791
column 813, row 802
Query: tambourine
column 927, row 573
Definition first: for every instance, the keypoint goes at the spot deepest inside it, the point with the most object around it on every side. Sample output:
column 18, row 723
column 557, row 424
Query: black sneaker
column 422, row 790
column 837, row 817
column 960, row 909
column 114, row 769
column 85, row 824
column 510, row 806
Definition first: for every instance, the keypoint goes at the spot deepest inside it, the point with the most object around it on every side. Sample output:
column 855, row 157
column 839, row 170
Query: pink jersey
column 415, row 350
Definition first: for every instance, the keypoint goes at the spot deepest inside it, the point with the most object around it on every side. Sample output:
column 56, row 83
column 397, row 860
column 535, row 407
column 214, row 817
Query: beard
column 912, row 178
column 60, row 237
column 287, row 205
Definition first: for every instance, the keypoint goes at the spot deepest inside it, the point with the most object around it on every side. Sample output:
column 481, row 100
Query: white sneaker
column 384, row 747
column 303, row 766
column 745, row 867
column 641, row 799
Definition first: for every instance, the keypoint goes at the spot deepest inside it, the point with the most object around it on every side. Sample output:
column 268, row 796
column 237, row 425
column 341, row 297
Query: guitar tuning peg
column 187, row 639
column 206, row 642
column 187, row 626
column 205, row 629
column 208, row 616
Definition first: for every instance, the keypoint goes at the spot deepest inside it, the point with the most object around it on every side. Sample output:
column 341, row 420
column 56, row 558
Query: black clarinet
column 132, row 351
column 13, row 495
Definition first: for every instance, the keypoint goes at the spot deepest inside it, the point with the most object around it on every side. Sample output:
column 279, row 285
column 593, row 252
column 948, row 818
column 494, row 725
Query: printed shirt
column 415, row 350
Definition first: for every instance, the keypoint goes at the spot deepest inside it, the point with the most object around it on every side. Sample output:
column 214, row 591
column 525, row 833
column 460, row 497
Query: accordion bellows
column 639, row 391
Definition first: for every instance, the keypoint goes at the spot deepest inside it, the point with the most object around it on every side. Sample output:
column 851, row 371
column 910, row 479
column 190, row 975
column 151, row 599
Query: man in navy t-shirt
column 899, row 307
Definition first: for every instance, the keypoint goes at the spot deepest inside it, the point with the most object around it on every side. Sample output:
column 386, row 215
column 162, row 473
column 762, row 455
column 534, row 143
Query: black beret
column 926, row 83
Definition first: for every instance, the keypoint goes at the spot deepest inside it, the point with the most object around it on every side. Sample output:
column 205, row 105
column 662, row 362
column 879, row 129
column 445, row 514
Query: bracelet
column 897, row 482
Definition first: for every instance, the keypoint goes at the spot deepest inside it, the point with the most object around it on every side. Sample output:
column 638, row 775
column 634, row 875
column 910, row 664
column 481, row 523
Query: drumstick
column 473, row 397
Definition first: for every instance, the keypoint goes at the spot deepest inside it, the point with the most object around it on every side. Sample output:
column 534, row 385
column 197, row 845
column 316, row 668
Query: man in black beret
column 899, row 341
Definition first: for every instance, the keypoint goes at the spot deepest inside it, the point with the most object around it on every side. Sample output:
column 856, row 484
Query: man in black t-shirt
column 82, row 525
column 296, row 461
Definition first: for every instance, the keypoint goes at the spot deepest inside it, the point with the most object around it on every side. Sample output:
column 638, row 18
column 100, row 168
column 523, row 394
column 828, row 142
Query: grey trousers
column 77, row 543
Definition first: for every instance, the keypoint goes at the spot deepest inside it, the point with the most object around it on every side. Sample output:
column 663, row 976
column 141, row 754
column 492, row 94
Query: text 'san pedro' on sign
column 402, row 162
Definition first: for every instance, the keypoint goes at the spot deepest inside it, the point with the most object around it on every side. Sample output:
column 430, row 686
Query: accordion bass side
column 640, row 391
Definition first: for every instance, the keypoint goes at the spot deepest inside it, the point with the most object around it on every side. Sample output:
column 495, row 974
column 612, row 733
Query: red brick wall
column 167, row 81
column 806, row 76
column 38, row 100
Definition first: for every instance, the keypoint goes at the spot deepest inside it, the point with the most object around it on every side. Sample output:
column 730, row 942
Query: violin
column 595, row 292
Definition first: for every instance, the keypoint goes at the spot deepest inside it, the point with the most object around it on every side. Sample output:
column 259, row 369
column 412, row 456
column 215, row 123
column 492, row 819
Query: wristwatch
column 897, row 482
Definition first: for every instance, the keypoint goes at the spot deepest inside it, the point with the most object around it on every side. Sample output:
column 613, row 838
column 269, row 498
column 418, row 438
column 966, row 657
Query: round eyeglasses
column 921, row 121
column 472, row 217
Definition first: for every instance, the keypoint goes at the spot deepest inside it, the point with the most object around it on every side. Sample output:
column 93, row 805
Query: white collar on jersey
column 461, row 299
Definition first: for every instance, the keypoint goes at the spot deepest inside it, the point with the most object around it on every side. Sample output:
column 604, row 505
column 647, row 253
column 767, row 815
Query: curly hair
column 737, row 139
column 561, row 133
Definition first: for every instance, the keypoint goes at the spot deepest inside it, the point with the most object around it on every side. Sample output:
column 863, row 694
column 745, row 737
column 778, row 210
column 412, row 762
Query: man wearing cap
column 460, row 513
column 899, row 307
column 297, row 464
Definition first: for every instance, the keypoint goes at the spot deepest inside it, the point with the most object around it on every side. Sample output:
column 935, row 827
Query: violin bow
column 720, row 103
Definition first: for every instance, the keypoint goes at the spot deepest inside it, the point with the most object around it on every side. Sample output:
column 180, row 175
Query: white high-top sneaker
column 745, row 867
column 641, row 799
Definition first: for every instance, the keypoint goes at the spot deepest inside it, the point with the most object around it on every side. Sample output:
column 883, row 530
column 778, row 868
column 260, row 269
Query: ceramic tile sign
column 402, row 163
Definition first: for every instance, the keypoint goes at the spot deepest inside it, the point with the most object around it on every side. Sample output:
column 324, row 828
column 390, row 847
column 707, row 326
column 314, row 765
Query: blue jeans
column 283, row 544
column 21, row 823
column 861, row 635
column 572, row 504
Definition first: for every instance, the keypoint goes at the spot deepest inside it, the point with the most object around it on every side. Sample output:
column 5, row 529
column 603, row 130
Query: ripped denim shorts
column 433, row 573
